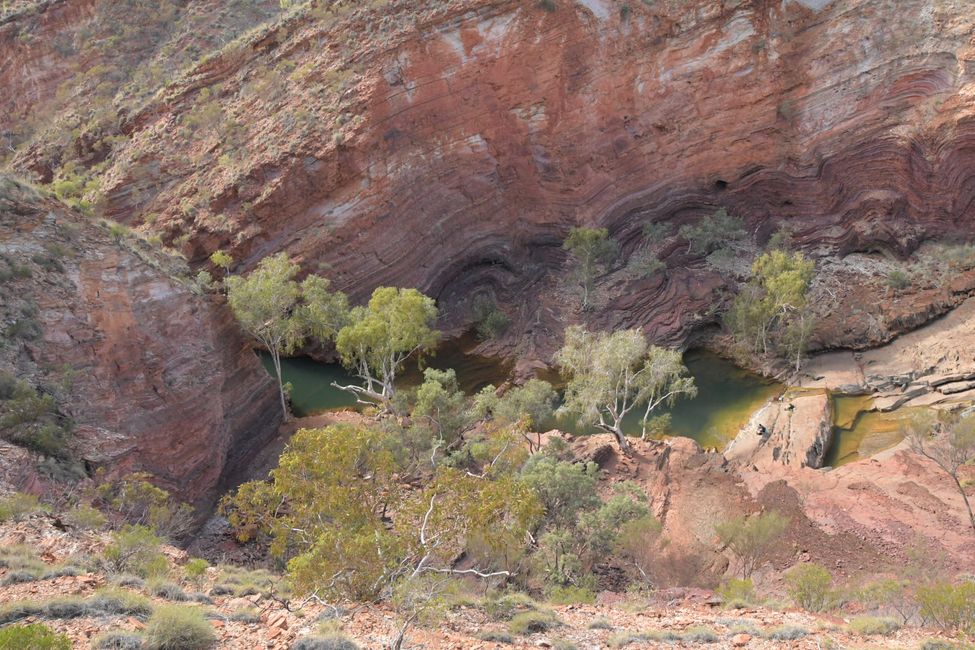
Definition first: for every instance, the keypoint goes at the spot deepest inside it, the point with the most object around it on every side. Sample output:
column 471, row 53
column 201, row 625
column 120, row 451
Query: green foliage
column 593, row 251
column 135, row 549
column 11, row 270
column 570, row 595
column 898, row 280
column 608, row 375
column 221, row 260
column 135, row 500
column 644, row 264
column 271, row 306
column 119, row 602
column 711, row 233
column 781, row 240
column 350, row 473
column 752, row 539
column 30, row 419
column 505, row 606
column 395, row 325
column 32, row 637
column 892, row 595
column 117, row 640
column 810, row 587
column 195, row 568
column 736, row 592
column 769, row 313
column 699, row 634
column 949, row 441
column 441, row 403
column 786, row 633
column 18, row 505
column 532, row 622
column 949, row 606
column 565, row 489
column 178, row 627
column 167, row 590
column 531, row 404
column 85, row 517
column 873, row 626
column 489, row 321
column 331, row 641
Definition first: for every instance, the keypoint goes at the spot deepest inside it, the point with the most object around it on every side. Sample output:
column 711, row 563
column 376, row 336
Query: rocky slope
column 450, row 145
column 151, row 371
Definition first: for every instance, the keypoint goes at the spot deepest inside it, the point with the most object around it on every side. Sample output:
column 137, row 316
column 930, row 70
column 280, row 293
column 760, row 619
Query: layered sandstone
column 154, row 374
column 451, row 145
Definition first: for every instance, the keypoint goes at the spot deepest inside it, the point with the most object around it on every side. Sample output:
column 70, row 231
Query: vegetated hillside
column 450, row 145
column 113, row 356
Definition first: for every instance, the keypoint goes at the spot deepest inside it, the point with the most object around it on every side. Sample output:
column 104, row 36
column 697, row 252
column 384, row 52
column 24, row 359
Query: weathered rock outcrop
column 795, row 431
column 451, row 145
column 155, row 377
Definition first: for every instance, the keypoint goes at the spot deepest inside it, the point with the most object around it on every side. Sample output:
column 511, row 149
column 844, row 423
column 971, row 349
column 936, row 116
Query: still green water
column 727, row 395
column 860, row 433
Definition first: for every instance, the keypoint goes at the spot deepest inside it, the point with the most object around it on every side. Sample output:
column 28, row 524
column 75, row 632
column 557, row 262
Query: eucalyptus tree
column 772, row 308
column 609, row 375
column 592, row 249
column 948, row 441
column 379, row 337
column 282, row 313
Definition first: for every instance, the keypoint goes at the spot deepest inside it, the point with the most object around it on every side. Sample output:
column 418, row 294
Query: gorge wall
column 450, row 145
column 154, row 376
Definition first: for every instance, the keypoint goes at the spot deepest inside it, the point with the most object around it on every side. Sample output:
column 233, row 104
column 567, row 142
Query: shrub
column 873, row 625
column 786, row 633
column 571, row 595
column 135, row 549
column 120, row 602
column 133, row 582
column 531, row 622
column 250, row 615
column 699, row 634
column 18, row 505
column 196, row 568
column 489, row 321
column 117, row 641
column 13, row 612
column 752, row 539
column 950, row 607
column 809, row 587
column 61, row 572
column 507, row 606
column 711, row 233
column 19, row 577
column 168, row 590
column 333, row 641
column 936, row 644
column 496, row 636
column 600, row 623
column 737, row 593
column 177, row 627
column 32, row 637
column 67, row 608
column 85, row 517
column 898, row 280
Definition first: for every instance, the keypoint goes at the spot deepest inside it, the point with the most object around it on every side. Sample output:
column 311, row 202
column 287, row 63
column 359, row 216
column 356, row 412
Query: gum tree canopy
column 611, row 374
column 379, row 337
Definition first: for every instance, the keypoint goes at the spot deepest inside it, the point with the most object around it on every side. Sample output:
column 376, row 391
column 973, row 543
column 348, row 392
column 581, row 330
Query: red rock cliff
column 155, row 377
column 451, row 145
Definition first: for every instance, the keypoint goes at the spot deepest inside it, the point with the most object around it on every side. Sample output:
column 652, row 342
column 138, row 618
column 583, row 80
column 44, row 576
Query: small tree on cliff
column 752, row 539
column 282, row 313
column 608, row 375
column 950, row 443
column 592, row 249
column 770, row 311
column 396, row 324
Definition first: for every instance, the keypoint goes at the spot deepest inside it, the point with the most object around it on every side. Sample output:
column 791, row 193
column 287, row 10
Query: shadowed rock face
column 155, row 377
column 450, row 146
